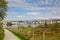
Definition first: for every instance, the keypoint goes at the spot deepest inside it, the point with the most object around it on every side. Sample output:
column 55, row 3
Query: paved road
column 10, row 36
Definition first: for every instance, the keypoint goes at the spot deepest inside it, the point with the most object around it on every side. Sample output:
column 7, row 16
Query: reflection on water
column 16, row 26
column 12, row 26
column 26, row 25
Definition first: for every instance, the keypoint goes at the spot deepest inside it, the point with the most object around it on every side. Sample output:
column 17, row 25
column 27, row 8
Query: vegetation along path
column 10, row 36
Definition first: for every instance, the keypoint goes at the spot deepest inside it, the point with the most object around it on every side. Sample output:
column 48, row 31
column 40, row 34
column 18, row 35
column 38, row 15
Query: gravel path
column 10, row 36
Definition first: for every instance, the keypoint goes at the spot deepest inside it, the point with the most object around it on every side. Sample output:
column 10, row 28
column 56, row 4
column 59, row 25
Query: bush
column 1, row 33
column 9, row 23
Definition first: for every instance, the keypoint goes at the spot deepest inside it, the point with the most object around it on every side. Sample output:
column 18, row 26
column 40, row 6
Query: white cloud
column 23, row 5
column 20, row 16
column 33, row 14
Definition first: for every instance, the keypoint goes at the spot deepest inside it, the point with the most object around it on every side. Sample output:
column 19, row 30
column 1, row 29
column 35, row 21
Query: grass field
column 48, row 32
column 37, row 35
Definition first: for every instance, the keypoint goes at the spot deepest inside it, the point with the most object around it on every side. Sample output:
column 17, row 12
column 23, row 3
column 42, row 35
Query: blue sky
column 32, row 9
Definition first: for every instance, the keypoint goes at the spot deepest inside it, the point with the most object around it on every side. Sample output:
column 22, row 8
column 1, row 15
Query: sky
column 32, row 9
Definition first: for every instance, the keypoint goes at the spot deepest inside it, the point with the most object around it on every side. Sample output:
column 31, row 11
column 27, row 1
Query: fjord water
column 16, row 26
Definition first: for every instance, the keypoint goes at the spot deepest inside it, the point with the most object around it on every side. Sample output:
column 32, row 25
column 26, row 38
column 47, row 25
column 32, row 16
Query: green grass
column 19, row 36
column 1, row 33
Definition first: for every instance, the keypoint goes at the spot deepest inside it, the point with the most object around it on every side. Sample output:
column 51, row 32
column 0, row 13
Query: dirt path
column 10, row 36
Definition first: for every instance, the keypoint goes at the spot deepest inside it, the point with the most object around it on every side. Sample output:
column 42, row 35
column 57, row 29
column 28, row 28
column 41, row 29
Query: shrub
column 1, row 33
column 9, row 23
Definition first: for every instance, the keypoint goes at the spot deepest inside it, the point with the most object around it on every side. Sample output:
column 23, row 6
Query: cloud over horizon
column 33, row 9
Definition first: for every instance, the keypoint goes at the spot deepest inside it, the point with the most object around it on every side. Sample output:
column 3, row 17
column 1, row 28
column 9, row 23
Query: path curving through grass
column 10, row 36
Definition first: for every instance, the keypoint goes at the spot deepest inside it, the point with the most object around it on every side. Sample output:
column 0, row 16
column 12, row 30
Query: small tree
column 29, row 25
column 3, row 8
column 45, row 24
column 9, row 23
